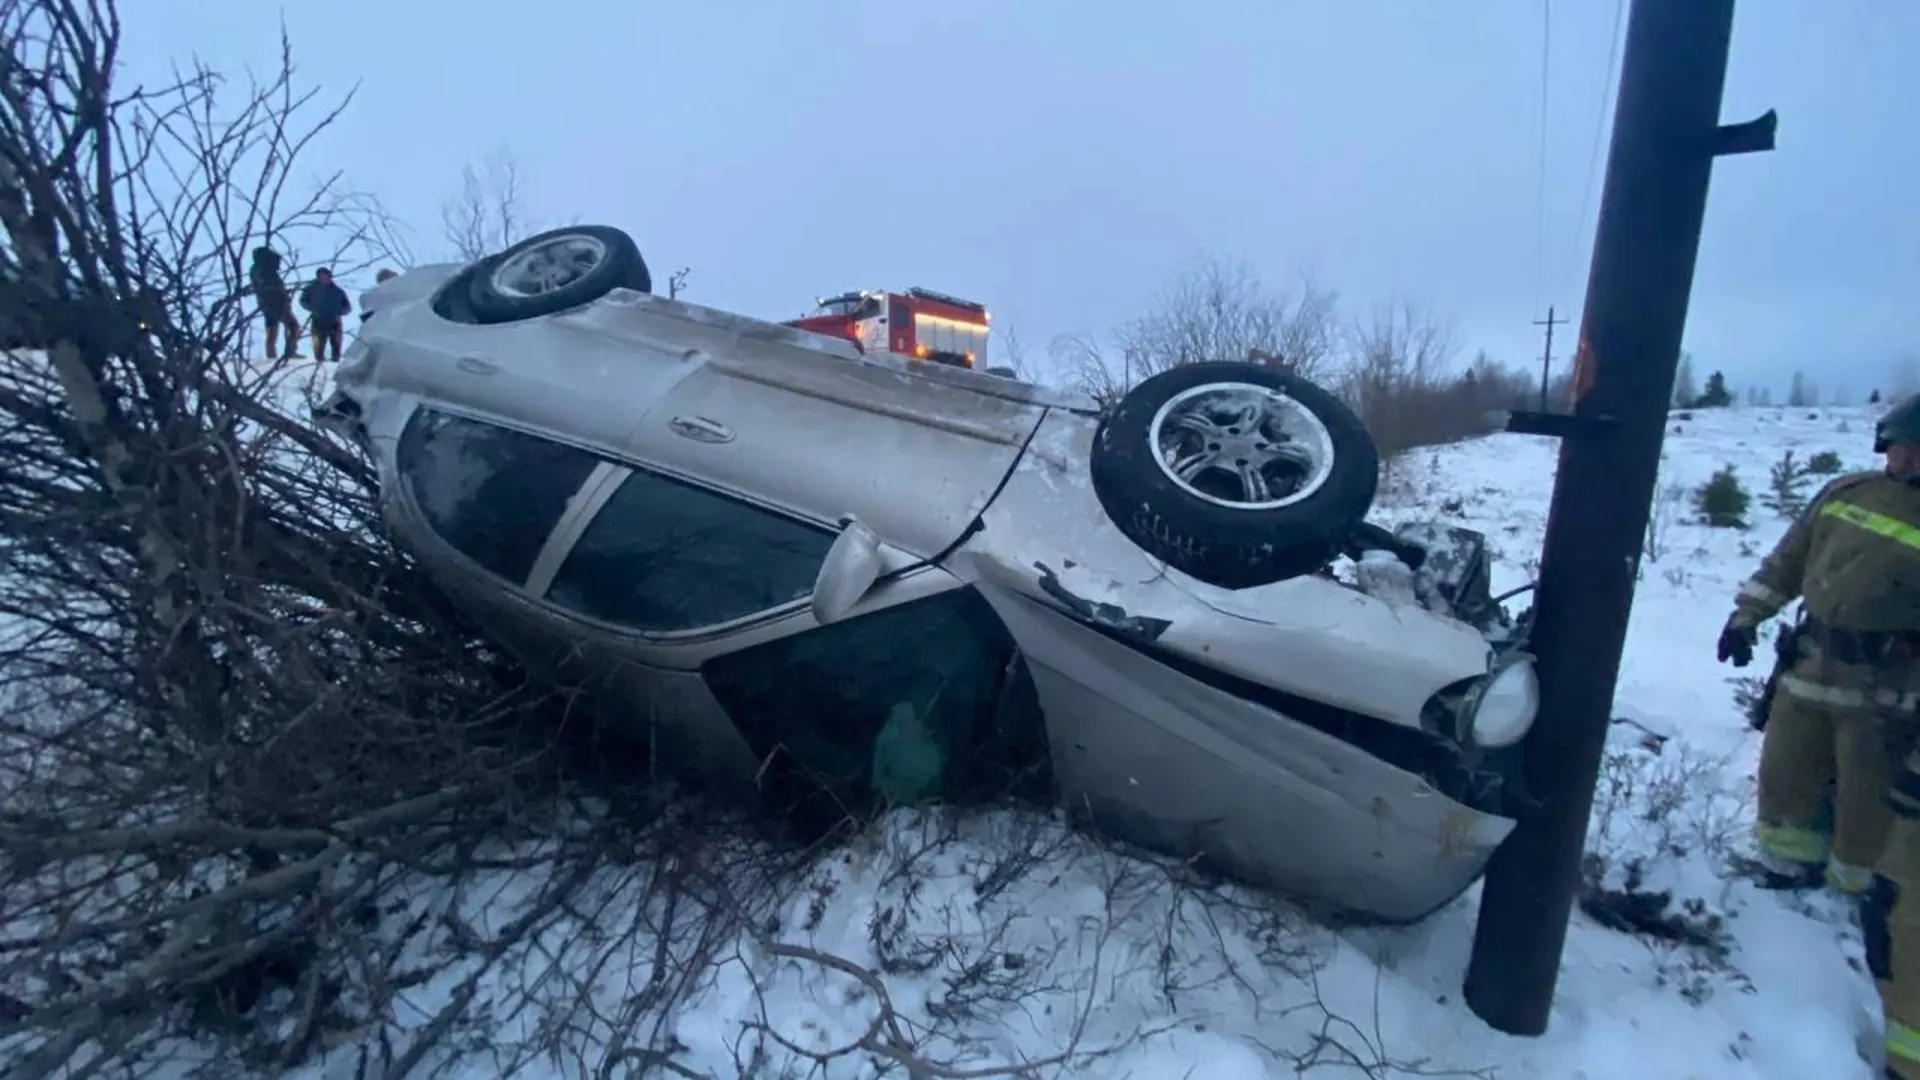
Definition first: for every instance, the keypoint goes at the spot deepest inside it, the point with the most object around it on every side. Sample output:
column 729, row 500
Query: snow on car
column 853, row 579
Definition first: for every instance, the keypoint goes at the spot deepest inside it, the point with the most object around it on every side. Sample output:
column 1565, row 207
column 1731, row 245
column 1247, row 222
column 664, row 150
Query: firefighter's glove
column 1736, row 644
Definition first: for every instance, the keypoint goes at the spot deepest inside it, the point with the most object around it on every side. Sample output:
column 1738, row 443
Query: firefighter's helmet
column 1900, row 425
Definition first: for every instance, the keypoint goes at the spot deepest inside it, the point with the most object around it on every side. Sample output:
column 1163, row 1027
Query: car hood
column 1308, row 636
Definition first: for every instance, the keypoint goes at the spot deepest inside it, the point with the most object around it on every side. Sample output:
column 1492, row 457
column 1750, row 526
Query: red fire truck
column 919, row 323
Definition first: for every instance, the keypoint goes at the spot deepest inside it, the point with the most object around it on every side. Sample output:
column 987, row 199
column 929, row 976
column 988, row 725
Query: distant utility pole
column 1666, row 133
column 677, row 281
column 1546, row 358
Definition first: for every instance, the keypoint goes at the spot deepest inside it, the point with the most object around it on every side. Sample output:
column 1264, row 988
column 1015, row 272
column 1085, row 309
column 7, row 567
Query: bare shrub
column 1087, row 366
column 1396, row 367
column 1215, row 311
column 488, row 213
column 1661, row 804
column 1665, row 512
column 982, row 922
column 1401, row 382
column 1400, row 378
column 233, row 707
column 1009, row 352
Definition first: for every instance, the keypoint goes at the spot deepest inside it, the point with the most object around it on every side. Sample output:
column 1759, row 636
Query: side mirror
column 852, row 565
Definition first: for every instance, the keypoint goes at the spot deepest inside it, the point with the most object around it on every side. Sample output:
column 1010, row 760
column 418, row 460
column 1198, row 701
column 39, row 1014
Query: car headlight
column 1503, row 710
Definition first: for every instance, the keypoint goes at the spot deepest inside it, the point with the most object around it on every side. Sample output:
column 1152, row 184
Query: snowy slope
column 1790, row 994
column 1131, row 969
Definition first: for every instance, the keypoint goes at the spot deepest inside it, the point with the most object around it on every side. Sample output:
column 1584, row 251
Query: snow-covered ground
column 1000, row 940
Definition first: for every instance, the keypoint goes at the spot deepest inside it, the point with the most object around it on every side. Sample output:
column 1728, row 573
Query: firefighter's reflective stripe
column 1874, row 522
column 1754, row 590
column 1791, row 842
column 1848, row 878
column 1902, row 1041
column 1848, row 697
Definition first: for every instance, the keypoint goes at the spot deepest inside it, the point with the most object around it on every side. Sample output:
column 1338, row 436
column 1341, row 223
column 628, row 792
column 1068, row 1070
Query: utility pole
column 1546, row 358
column 1666, row 133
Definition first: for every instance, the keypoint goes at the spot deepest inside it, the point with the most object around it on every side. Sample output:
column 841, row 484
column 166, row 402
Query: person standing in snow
column 328, row 304
column 276, row 301
column 1846, row 712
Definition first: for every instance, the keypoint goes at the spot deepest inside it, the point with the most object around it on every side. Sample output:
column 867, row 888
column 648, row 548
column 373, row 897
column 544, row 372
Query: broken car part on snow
column 850, row 580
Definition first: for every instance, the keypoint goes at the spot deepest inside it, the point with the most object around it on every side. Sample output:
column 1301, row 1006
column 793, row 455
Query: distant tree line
column 1397, row 364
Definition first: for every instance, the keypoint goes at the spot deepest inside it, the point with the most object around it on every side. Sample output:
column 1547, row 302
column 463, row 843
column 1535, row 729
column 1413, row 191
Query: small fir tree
column 1721, row 501
column 1787, row 487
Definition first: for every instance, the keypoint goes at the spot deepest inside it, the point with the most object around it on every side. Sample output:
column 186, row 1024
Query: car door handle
column 477, row 366
column 701, row 429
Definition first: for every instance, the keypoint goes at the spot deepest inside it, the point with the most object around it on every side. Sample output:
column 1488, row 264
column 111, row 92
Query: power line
column 1540, row 193
column 1599, row 130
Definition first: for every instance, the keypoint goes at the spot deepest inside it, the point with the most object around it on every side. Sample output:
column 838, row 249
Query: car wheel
column 556, row 270
column 1236, row 474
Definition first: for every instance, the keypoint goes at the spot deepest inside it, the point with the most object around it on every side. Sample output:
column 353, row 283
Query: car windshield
column 852, row 306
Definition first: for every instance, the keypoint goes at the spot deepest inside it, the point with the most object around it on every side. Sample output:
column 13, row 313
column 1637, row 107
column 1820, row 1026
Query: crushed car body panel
column 1178, row 765
column 1308, row 635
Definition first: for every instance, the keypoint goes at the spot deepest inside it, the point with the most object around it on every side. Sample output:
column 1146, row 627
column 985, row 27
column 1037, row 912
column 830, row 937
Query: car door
column 659, row 576
column 670, row 572
column 821, row 435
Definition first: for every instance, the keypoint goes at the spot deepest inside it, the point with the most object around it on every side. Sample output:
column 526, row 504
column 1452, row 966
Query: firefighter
column 1847, row 709
column 1854, row 557
column 1892, row 915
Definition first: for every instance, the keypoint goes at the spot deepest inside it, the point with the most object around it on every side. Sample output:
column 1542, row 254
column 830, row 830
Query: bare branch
column 230, row 703
column 1216, row 311
column 486, row 215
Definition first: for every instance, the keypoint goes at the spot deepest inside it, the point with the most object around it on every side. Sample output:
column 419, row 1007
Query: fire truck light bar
column 943, row 298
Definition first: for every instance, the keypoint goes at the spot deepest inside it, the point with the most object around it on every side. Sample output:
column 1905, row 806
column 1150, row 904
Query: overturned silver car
column 853, row 581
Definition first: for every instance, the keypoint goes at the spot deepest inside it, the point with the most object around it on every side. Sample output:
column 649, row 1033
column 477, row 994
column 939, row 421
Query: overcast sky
column 1061, row 161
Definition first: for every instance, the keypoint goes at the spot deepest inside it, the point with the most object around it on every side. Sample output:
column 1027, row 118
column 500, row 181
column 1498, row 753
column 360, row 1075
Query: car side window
column 664, row 556
column 926, row 700
column 493, row 493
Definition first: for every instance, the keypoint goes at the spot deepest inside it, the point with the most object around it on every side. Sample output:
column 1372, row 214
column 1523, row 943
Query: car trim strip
column 983, row 432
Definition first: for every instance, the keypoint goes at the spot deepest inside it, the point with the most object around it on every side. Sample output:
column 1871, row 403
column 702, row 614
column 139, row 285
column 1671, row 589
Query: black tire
column 1225, row 546
column 620, row 266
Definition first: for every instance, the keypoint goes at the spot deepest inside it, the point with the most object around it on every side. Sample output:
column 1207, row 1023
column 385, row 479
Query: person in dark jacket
column 276, row 301
column 329, row 306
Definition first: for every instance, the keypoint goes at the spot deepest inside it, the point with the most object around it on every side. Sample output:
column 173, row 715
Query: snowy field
column 1004, row 946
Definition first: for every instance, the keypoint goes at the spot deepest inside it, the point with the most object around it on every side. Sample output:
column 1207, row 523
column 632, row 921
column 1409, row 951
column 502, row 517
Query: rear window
column 493, row 493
